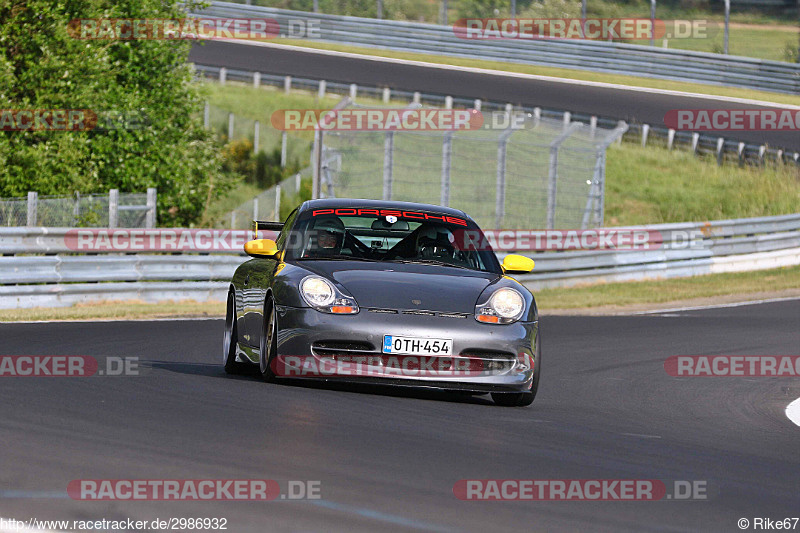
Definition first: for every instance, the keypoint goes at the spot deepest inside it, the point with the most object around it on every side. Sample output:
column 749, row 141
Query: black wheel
column 522, row 399
column 230, row 339
column 269, row 341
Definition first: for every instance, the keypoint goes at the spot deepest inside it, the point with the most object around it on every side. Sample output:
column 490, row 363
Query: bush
column 43, row 67
column 262, row 170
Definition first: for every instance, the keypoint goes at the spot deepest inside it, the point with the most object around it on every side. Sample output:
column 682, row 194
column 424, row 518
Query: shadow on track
column 252, row 374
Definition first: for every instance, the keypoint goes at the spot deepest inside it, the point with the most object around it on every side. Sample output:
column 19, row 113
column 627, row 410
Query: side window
column 287, row 227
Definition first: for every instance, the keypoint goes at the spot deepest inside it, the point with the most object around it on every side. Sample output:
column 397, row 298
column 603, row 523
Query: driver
column 435, row 242
column 330, row 236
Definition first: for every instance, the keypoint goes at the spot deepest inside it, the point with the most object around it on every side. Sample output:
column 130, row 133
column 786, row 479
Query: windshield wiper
column 427, row 262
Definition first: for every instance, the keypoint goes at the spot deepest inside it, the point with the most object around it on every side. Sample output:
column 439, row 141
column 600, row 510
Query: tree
column 150, row 133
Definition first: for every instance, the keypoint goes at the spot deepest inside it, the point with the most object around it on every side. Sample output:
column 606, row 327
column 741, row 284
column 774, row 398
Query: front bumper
column 498, row 358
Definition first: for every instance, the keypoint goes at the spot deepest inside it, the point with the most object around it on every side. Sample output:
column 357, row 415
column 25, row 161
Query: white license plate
column 416, row 345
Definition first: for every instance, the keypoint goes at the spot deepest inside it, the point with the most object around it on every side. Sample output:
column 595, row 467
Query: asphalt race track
column 638, row 106
column 388, row 460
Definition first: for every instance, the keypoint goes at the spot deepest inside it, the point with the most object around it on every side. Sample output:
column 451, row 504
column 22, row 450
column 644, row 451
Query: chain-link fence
column 267, row 205
column 537, row 173
column 113, row 210
column 263, row 137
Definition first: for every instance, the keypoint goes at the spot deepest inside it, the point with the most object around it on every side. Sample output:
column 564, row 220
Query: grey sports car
column 392, row 293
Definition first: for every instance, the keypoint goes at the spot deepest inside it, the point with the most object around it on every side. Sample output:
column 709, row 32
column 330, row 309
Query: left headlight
column 320, row 294
column 504, row 307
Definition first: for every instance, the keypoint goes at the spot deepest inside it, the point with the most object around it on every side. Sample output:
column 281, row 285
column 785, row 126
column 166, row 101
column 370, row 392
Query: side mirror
column 517, row 264
column 261, row 248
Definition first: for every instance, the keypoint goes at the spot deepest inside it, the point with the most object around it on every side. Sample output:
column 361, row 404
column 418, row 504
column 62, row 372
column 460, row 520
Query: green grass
column 218, row 211
column 740, row 284
column 117, row 310
column 652, row 185
column 250, row 104
column 665, row 11
column 760, row 43
column 583, row 75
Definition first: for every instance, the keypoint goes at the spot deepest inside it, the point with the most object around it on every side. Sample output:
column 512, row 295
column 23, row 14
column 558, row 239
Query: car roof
column 324, row 203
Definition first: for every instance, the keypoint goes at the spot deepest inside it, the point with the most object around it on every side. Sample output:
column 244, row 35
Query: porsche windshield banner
column 389, row 213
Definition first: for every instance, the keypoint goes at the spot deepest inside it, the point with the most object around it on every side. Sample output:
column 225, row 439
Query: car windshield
column 389, row 235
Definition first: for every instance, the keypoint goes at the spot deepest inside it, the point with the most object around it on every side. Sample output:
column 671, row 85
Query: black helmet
column 329, row 230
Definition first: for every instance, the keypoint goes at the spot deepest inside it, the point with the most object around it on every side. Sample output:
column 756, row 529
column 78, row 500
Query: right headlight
column 320, row 294
column 503, row 307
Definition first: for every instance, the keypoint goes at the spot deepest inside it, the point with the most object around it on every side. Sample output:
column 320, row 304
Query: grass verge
column 748, row 41
column 218, row 210
column 654, row 185
column 117, row 310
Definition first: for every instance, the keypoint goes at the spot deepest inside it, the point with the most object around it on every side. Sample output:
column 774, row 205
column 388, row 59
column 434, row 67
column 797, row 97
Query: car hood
column 406, row 286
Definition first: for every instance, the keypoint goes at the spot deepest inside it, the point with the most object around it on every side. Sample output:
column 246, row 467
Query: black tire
column 523, row 399
column 230, row 339
column 269, row 341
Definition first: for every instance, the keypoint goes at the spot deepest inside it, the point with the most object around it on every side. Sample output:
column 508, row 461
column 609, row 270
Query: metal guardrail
column 597, row 56
column 728, row 149
column 138, row 267
column 62, row 279
column 27, row 296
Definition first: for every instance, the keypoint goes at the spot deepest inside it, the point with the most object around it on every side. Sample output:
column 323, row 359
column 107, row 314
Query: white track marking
column 715, row 306
column 519, row 75
column 793, row 411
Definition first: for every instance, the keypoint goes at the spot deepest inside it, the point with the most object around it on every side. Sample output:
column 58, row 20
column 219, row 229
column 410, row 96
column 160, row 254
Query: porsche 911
column 391, row 293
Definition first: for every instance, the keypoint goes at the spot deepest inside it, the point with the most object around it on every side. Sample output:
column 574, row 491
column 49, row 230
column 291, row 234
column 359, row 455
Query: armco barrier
column 65, row 295
column 63, row 276
column 135, row 267
column 598, row 56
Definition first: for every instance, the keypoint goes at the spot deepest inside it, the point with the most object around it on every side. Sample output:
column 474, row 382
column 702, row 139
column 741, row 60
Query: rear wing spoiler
column 269, row 226
column 265, row 225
